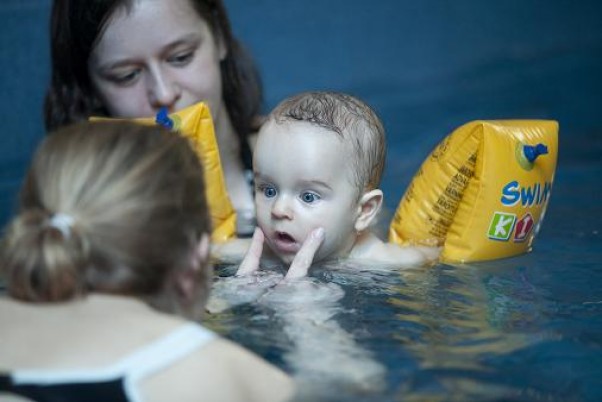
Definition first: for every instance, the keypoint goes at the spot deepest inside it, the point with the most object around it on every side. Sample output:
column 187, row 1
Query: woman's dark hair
column 76, row 26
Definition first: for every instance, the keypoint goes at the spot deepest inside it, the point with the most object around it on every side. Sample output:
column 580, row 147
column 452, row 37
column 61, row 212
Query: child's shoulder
column 378, row 251
column 403, row 256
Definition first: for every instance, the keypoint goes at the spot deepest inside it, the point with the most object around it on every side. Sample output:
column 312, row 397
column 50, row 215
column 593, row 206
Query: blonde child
column 318, row 163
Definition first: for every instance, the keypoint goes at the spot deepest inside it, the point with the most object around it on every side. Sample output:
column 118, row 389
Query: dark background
column 426, row 66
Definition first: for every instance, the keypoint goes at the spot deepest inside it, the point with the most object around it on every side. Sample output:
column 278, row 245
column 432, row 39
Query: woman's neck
column 227, row 139
column 229, row 146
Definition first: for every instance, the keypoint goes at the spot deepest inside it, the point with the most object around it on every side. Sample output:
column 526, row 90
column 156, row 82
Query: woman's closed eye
column 124, row 78
column 181, row 59
column 309, row 197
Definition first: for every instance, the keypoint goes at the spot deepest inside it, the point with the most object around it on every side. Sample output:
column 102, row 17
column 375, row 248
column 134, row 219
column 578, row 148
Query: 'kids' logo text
column 501, row 226
column 536, row 194
column 523, row 227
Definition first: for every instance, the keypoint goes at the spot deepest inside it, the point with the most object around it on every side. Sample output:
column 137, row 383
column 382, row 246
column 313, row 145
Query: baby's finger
column 250, row 263
column 305, row 256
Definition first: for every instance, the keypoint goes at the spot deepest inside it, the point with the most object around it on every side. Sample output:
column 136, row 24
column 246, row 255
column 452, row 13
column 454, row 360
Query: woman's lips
column 285, row 243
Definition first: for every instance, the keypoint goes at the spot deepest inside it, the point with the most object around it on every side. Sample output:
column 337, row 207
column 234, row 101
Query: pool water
column 527, row 328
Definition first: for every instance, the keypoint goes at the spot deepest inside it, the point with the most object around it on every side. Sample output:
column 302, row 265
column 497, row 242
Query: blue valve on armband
column 163, row 119
column 533, row 151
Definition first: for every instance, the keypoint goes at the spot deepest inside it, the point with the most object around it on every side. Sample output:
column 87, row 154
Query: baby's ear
column 369, row 205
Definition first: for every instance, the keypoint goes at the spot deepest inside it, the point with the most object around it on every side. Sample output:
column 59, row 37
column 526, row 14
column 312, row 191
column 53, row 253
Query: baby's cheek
column 262, row 213
column 326, row 249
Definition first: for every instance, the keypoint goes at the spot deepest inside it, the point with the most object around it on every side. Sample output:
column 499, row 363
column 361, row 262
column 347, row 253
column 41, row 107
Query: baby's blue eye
column 269, row 192
column 309, row 197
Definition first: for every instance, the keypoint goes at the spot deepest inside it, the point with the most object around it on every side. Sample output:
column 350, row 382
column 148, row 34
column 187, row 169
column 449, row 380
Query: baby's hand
column 300, row 264
column 250, row 263
column 305, row 256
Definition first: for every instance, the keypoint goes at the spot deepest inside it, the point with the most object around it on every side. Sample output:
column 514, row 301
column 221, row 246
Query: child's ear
column 202, row 251
column 369, row 205
column 188, row 280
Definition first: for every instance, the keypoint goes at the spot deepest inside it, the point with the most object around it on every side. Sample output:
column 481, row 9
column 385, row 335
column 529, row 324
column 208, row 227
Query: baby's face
column 302, row 181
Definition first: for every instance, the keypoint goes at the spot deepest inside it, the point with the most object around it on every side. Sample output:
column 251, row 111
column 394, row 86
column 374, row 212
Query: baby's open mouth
column 284, row 242
column 285, row 237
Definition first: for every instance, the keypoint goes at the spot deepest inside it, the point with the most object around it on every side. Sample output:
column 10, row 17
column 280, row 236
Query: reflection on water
column 304, row 313
column 484, row 332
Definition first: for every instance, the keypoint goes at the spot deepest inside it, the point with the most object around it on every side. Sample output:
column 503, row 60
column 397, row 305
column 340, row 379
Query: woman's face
column 159, row 54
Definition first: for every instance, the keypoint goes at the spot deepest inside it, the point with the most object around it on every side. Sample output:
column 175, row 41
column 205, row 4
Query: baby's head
column 318, row 161
column 357, row 126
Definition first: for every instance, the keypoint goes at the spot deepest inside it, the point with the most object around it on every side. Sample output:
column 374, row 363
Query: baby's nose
column 281, row 208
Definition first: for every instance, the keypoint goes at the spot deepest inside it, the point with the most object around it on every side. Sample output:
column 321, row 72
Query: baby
column 318, row 163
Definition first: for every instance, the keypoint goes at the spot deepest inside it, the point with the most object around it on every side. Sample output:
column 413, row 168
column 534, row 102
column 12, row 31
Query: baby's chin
column 288, row 258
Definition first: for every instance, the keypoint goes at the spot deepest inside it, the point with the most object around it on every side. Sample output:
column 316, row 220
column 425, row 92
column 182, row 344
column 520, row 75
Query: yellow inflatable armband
column 196, row 124
column 483, row 191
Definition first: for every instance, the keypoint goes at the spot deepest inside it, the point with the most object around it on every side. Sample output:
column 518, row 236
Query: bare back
column 96, row 332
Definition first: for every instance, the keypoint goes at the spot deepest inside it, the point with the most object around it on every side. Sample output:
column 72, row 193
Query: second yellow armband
column 483, row 192
column 196, row 124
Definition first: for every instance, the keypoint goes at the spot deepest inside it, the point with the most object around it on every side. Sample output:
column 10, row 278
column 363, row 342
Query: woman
column 106, row 267
column 129, row 58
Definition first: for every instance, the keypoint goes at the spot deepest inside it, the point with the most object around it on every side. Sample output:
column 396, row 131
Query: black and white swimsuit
column 117, row 382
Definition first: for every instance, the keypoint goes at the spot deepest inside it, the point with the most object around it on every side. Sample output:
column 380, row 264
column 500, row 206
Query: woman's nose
column 281, row 209
column 163, row 90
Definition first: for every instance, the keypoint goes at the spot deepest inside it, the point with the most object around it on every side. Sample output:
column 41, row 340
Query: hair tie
column 62, row 222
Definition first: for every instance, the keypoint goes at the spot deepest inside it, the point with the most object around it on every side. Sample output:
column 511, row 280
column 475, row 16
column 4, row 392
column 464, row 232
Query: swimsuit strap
column 142, row 363
column 161, row 354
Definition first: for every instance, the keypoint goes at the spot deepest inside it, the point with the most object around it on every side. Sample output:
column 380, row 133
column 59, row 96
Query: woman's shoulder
column 93, row 331
column 219, row 371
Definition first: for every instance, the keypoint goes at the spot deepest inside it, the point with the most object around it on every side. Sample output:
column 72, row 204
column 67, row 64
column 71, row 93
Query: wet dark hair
column 352, row 120
column 76, row 26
